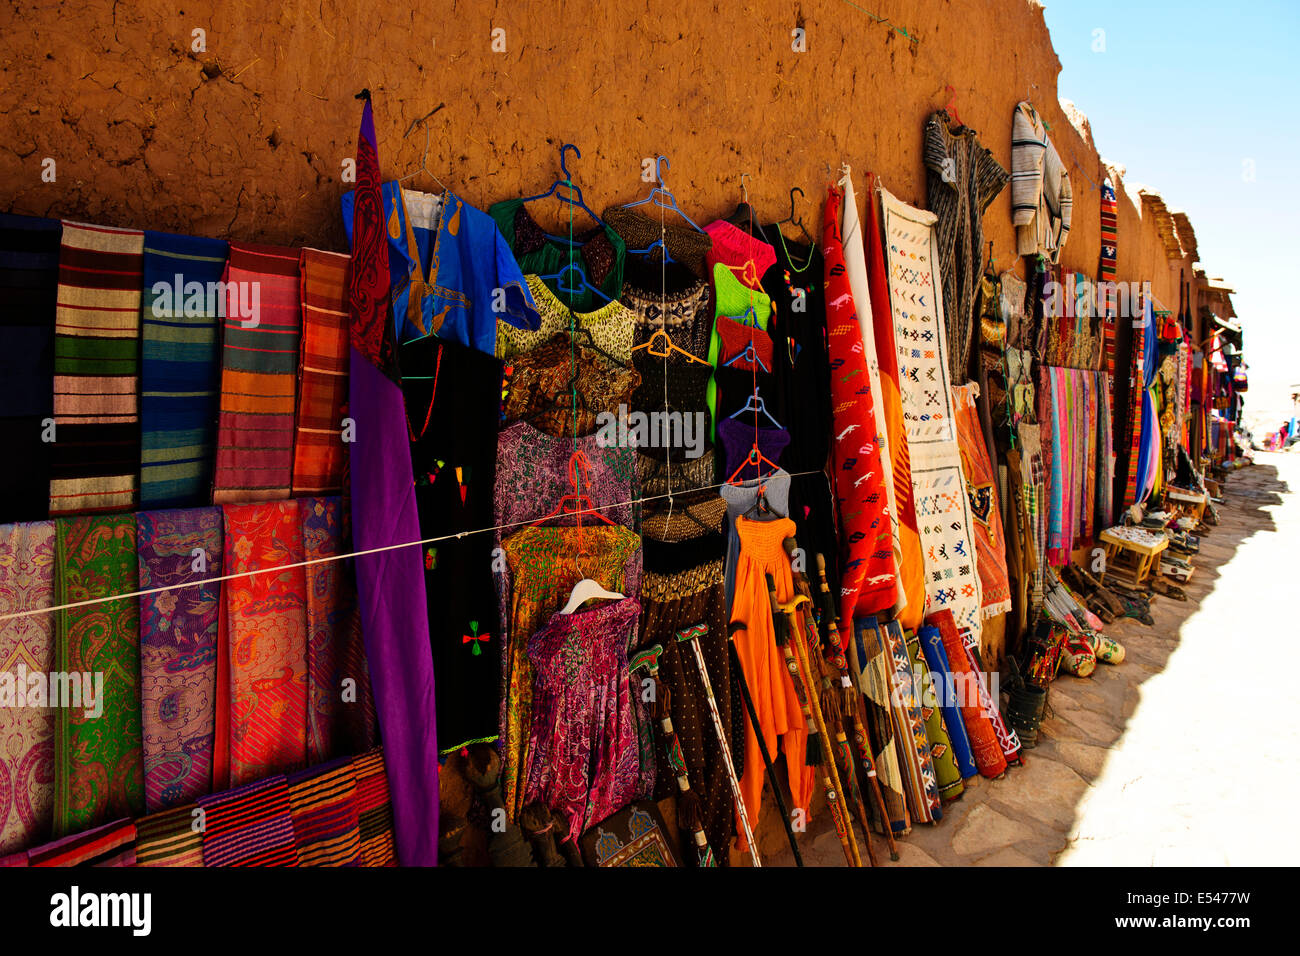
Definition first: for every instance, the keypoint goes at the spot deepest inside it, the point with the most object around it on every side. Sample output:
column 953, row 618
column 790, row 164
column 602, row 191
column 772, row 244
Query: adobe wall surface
column 247, row 139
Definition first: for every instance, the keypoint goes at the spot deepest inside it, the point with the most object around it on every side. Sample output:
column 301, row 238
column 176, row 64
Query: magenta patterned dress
column 583, row 756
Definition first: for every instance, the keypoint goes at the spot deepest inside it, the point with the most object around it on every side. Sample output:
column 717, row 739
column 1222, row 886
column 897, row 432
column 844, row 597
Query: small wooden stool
column 1130, row 559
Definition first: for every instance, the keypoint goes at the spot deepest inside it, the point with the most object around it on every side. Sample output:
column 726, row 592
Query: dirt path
column 1180, row 755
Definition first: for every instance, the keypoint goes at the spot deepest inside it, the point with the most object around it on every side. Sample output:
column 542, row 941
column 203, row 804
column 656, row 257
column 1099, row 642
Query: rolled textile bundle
column 988, row 754
column 937, row 658
column 909, row 722
column 178, row 651
column 947, row 776
column 99, row 760
column 1007, row 738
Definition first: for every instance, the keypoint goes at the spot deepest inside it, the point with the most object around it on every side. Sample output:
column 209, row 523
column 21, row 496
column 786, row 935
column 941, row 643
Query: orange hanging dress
column 763, row 662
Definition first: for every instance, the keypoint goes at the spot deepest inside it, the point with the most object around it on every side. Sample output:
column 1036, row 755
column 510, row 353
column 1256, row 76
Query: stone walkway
column 1177, row 755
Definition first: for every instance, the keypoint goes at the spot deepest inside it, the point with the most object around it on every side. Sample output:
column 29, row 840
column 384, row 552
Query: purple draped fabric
column 390, row 584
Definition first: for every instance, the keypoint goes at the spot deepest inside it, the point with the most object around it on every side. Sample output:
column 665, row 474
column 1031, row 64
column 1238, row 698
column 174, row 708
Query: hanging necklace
column 428, row 415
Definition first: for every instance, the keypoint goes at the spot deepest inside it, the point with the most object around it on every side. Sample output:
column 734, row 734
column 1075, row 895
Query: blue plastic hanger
column 661, row 197
column 756, row 404
column 579, row 278
column 574, row 195
column 657, row 244
column 750, row 354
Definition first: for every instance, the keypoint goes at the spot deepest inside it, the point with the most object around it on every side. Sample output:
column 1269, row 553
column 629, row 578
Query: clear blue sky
column 1182, row 96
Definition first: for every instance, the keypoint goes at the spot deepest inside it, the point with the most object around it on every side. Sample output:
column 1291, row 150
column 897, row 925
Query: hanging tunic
column 451, row 393
column 600, row 252
column 583, row 756
column 769, row 682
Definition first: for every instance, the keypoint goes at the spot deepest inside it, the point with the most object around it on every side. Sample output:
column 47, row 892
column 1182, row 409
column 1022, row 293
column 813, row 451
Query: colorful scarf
column 982, row 490
column 258, row 376
column 94, row 459
column 112, row 844
column 26, row 648
column 263, row 655
column 178, row 651
column 323, row 390
column 180, row 368
column 170, row 838
column 947, row 775
column 340, row 709
column 29, row 283
column 968, row 697
column 945, row 694
column 911, row 566
column 323, row 807
column 374, row 809
column 1137, row 394
column 868, row 572
column 99, row 761
column 909, row 726
column 390, row 584
column 249, row 825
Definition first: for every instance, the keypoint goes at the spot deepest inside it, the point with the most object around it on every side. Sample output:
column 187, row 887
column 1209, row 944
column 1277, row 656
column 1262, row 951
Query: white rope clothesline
column 32, row 612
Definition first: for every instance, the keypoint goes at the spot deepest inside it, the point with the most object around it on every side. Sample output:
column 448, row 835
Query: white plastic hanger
column 584, row 591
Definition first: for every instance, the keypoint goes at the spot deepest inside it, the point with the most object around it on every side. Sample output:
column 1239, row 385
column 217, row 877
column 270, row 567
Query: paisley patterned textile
column 340, row 715
column 178, row 652
column 265, row 652
column 99, row 760
column 26, row 647
column 583, row 756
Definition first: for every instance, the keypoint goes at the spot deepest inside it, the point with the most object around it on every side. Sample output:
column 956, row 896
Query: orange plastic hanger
column 575, row 503
column 755, row 458
column 668, row 348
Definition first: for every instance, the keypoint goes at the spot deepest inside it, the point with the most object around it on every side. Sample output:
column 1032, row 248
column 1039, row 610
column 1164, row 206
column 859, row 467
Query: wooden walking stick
column 853, row 706
column 762, row 744
column 828, row 687
column 784, row 619
column 690, row 817
column 690, row 635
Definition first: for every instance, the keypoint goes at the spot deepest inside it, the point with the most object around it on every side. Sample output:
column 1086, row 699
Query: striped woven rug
column 29, row 282
column 96, row 453
column 318, row 452
column 323, row 805
column 170, row 838
column 180, row 370
column 263, row 327
column 249, row 826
